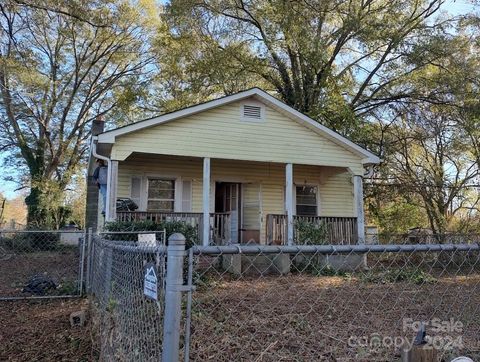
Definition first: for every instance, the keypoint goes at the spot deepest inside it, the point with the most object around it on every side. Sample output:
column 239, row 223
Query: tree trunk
column 35, row 216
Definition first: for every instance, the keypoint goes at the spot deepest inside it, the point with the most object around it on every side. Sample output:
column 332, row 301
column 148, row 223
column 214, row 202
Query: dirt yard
column 274, row 318
column 61, row 266
column 41, row 331
column 308, row 318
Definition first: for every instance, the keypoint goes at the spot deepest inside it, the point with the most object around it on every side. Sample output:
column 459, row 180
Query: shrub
column 190, row 232
column 310, row 233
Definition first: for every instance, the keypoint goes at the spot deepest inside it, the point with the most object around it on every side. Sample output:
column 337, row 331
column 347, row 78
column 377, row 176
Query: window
column 306, row 200
column 161, row 195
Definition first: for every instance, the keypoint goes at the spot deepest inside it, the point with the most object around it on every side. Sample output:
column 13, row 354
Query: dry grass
column 296, row 317
column 62, row 266
column 41, row 331
column 309, row 318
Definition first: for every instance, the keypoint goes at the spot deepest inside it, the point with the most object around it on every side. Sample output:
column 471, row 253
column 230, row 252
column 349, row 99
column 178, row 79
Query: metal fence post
column 107, row 281
column 89, row 255
column 83, row 241
column 173, row 298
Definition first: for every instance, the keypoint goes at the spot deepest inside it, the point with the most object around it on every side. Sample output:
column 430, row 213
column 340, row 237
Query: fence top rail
column 330, row 249
column 131, row 246
column 41, row 231
column 131, row 232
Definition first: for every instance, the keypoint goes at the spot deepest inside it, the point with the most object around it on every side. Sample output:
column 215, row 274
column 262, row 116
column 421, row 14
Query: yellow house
column 242, row 168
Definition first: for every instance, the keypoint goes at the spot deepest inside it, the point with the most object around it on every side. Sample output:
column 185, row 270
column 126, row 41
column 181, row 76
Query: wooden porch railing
column 339, row 230
column 219, row 222
column 220, row 231
column 190, row 218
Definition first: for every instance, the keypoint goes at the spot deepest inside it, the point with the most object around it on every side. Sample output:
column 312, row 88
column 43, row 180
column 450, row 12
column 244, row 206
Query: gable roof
column 367, row 156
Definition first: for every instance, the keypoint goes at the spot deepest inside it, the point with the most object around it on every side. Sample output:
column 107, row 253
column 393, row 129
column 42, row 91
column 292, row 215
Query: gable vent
column 252, row 112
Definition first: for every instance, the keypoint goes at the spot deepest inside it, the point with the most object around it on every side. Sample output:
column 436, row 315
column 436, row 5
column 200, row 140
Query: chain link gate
column 38, row 264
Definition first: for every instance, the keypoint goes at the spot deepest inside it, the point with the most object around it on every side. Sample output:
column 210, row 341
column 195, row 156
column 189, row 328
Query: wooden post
column 111, row 209
column 289, row 201
column 206, row 201
column 358, row 196
column 269, row 236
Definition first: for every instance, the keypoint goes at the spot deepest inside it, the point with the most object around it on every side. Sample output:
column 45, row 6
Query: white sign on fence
column 147, row 240
column 150, row 282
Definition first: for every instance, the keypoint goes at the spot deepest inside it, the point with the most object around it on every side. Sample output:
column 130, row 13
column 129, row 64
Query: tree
column 334, row 60
column 57, row 73
column 432, row 158
column 430, row 145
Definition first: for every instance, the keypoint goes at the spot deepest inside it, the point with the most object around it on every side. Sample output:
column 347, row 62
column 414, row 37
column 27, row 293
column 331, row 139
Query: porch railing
column 190, row 218
column 219, row 222
column 220, row 228
column 339, row 230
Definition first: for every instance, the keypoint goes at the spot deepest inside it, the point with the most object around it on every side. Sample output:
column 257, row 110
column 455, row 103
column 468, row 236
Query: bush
column 190, row 232
column 310, row 233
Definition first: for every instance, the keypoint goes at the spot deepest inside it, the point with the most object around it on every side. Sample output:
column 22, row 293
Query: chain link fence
column 257, row 303
column 292, row 303
column 128, row 325
column 422, row 236
column 41, row 264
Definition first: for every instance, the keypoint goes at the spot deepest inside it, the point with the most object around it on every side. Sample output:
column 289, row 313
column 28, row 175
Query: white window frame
column 295, row 185
column 177, row 197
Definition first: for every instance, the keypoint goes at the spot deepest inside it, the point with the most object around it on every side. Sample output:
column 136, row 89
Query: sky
column 8, row 189
column 459, row 7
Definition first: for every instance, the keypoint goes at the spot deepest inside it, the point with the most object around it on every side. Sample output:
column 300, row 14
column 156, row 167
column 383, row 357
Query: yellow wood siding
column 335, row 186
column 221, row 133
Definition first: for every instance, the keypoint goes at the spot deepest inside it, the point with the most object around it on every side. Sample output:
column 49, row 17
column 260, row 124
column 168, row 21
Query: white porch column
column 289, row 201
column 359, row 210
column 112, row 182
column 206, row 201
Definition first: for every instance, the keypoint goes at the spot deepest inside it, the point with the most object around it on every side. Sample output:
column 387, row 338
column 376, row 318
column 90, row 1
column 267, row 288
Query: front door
column 227, row 199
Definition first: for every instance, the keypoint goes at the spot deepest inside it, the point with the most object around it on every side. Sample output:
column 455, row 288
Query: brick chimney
column 91, row 212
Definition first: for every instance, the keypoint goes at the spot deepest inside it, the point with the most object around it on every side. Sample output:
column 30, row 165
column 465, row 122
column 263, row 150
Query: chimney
column 98, row 125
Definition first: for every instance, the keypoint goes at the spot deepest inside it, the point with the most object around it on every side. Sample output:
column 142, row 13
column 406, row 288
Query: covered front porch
column 338, row 230
column 239, row 201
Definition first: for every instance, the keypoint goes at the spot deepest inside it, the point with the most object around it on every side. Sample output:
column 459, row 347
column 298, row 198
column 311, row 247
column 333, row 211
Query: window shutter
column 186, row 196
column 136, row 190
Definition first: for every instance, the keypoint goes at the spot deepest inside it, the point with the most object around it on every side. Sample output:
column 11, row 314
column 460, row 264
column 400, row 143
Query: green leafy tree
column 334, row 60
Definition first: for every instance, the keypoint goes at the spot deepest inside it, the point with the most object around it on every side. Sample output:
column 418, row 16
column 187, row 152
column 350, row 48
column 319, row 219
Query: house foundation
column 255, row 264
